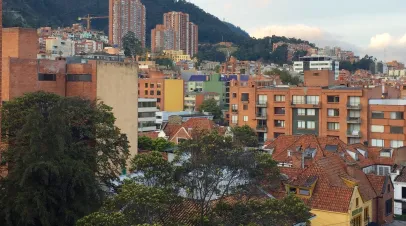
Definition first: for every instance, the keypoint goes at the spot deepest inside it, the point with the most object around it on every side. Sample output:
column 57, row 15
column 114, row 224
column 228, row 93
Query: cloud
column 297, row 31
column 387, row 47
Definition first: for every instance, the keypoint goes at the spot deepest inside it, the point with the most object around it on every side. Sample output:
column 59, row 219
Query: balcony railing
column 261, row 104
column 355, row 120
column 261, row 116
column 262, row 128
column 354, row 106
column 353, row 133
column 306, row 104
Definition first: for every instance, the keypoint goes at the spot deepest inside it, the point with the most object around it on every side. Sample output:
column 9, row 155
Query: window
column 158, row 92
column 292, row 190
column 357, row 221
column 146, row 114
column 312, row 99
column 396, row 143
column 377, row 115
column 146, row 85
column 333, row 99
column 366, row 215
column 46, row 77
column 234, row 95
column 333, row 112
column 146, row 104
column 298, row 99
column 234, row 119
column 396, row 115
column 354, row 114
column 377, row 129
column 158, row 100
column 377, row 143
column 333, row 126
column 245, row 107
column 79, row 78
column 146, row 92
column 396, row 130
column 356, row 202
column 304, row 192
column 354, row 101
column 245, row 118
column 151, row 92
column 311, row 125
column 245, row 97
column 301, row 124
column 279, row 123
column 152, row 85
column 311, row 112
column 279, row 98
column 301, row 112
column 388, row 207
column 403, row 192
column 262, row 99
column 279, row 111
column 158, row 85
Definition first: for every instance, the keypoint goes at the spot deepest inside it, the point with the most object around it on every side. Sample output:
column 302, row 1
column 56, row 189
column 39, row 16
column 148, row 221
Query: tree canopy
column 132, row 46
column 62, row 156
column 212, row 106
column 285, row 76
column 148, row 144
column 366, row 63
column 245, row 136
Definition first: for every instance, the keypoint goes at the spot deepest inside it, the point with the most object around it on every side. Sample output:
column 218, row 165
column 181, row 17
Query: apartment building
column 125, row 16
column 193, row 100
column 146, row 114
column 317, row 63
column 168, row 92
column 162, row 38
column 319, row 108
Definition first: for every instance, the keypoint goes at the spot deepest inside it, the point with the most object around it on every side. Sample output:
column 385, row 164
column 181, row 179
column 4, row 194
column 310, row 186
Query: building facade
column 162, row 38
column 125, row 16
column 317, row 63
column 146, row 114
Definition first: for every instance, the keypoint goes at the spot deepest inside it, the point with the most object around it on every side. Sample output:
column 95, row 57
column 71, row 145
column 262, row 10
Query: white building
column 317, row 63
column 59, row 47
column 398, row 177
column 146, row 114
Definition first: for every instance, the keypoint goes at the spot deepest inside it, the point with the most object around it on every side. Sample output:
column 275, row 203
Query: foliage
column 62, row 155
column 132, row 46
column 245, row 136
column 285, row 76
column 211, row 106
column 135, row 204
column 262, row 212
column 298, row 54
column 366, row 63
column 145, row 143
column 347, row 65
column 210, row 53
column 159, row 144
column 165, row 62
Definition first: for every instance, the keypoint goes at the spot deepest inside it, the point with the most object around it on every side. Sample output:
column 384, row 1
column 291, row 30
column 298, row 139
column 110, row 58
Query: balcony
column 261, row 104
column 354, row 106
column 234, row 111
column 261, row 116
column 262, row 128
column 355, row 134
column 245, row 101
column 354, row 120
column 305, row 104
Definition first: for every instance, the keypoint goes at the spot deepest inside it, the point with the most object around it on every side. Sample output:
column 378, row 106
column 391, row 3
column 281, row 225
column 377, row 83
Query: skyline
column 365, row 27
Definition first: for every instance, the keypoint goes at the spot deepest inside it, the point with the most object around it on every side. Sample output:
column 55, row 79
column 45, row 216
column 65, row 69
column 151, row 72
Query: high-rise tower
column 125, row 16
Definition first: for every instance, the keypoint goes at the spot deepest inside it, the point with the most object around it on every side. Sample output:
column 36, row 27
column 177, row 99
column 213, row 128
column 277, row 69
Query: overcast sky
column 364, row 26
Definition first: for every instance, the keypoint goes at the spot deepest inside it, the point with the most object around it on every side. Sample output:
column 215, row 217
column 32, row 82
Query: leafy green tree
column 62, row 156
column 245, row 136
column 346, row 65
column 217, row 69
column 211, row 106
column 145, row 143
column 285, row 76
column 298, row 54
column 160, row 144
column 132, row 46
column 165, row 62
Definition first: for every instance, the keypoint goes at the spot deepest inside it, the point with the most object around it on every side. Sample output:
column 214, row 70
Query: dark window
column 234, row 95
column 388, row 207
column 333, row 99
column 158, row 100
column 146, row 92
column 279, row 111
column 152, row 85
column 46, row 77
column 396, row 115
column 377, row 115
column 158, row 92
column 146, row 104
column 244, row 97
column 357, row 202
column 79, row 78
column 245, row 107
column 292, row 190
column 146, row 85
column 151, row 92
column 146, row 114
column 403, row 192
column 396, row 129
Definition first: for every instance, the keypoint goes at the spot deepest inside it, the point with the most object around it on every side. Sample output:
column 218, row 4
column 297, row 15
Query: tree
column 211, row 106
column 165, row 62
column 285, row 76
column 347, row 65
column 160, row 144
column 62, row 155
column 145, row 143
column 244, row 136
column 132, row 46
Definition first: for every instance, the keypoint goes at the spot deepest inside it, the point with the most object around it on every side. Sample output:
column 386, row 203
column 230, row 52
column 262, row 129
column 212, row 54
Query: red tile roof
column 152, row 135
column 377, row 183
column 402, row 176
column 171, row 129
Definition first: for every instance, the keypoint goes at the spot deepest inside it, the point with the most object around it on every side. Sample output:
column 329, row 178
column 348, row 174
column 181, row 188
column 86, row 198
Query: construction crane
column 88, row 18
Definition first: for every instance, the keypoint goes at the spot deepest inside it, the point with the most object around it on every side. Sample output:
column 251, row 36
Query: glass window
column 279, row 111
column 245, row 107
column 158, row 92
column 333, row 126
column 333, row 99
column 146, row 85
column 79, row 78
column 158, row 85
column 262, row 99
column 301, row 124
column 301, row 111
column 377, row 115
column 396, row 143
column 234, row 119
column 46, row 77
column 298, row 99
column 158, row 100
column 245, row 97
column 388, row 207
column 311, row 112
column 146, row 92
column 333, row 112
column 354, row 101
column 396, row 129
column 304, row 192
column 377, row 129
column 234, row 95
column 151, row 92
column 377, row 143
column 311, row 125
column 312, row 99
column 279, row 123
column 403, row 192
column 152, row 85
column 355, row 114
column 245, row 118
column 279, row 98
column 234, row 107
column 396, row 115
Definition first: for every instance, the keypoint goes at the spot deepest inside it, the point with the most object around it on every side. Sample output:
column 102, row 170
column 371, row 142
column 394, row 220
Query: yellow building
column 176, row 55
column 173, row 95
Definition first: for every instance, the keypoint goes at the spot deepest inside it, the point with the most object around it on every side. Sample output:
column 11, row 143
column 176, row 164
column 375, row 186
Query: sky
column 373, row 27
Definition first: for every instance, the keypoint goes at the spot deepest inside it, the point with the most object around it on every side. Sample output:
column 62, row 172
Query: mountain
column 61, row 13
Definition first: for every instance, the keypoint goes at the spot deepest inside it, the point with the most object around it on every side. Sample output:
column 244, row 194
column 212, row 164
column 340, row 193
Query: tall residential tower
column 125, row 16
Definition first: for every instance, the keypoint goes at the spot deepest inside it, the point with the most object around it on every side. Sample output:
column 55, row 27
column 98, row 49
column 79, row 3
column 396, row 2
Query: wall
column 324, row 218
column 388, row 194
column 158, row 90
column 117, row 87
column 217, row 86
column 362, row 204
column 20, row 42
column 82, row 88
column 174, row 94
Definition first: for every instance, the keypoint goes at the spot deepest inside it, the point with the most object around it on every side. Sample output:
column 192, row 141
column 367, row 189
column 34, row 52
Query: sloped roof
column 171, row 129
column 377, row 183
column 197, row 78
column 152, row 135
column 402, row 176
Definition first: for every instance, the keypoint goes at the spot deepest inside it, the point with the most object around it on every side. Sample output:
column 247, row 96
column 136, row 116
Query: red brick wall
column 382, row 218
column 20, row 42
column 319, row 78
column 82, row 89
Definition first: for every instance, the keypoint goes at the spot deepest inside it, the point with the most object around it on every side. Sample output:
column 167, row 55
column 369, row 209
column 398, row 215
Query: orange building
column 318, row 108
column 162, row 38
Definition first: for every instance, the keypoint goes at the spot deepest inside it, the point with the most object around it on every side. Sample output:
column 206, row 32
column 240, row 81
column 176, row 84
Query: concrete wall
column 117, row 87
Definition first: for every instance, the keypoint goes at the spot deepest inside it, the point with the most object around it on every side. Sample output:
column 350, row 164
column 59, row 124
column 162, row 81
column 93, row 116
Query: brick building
column 318, row 108
column 162, row 38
